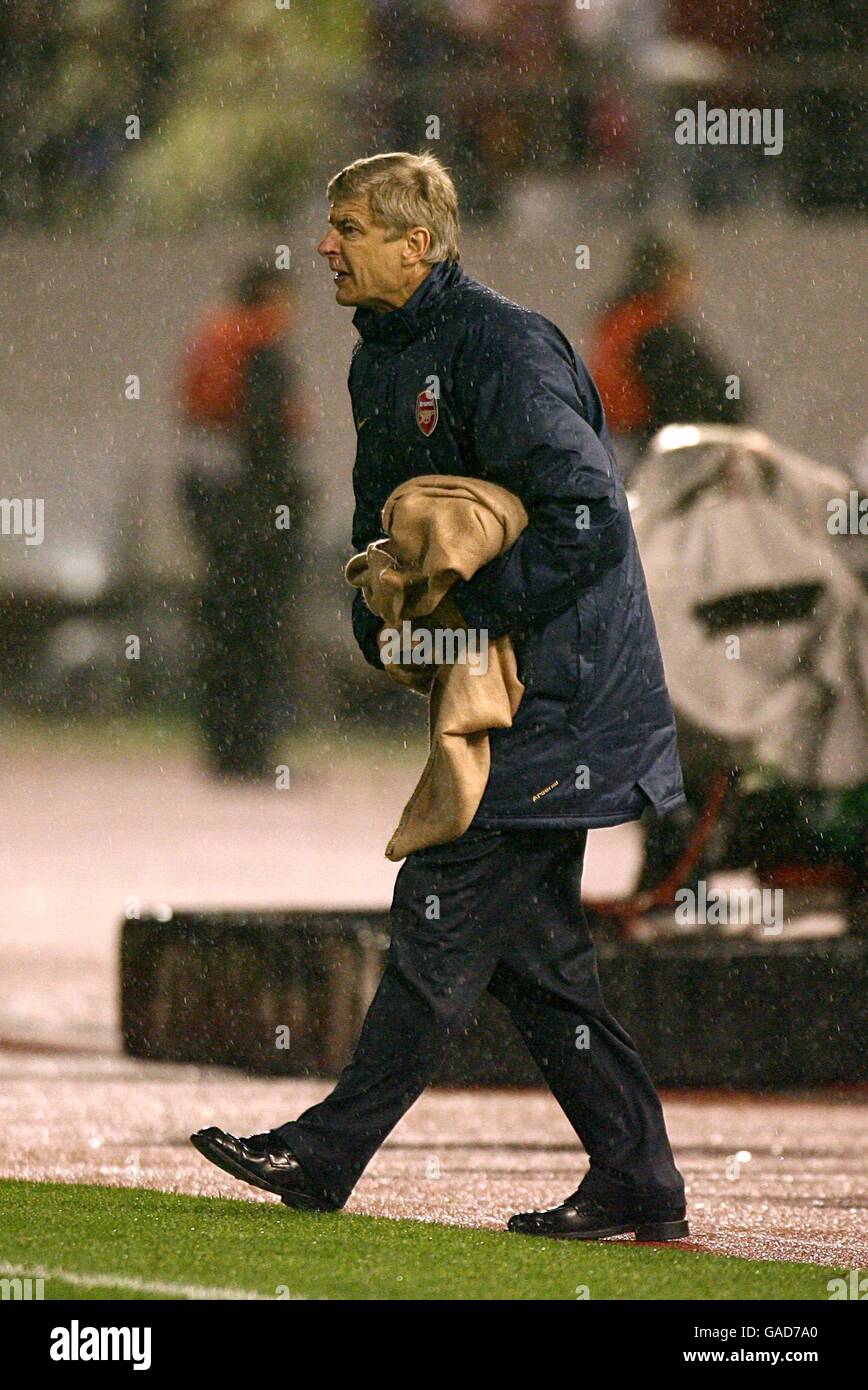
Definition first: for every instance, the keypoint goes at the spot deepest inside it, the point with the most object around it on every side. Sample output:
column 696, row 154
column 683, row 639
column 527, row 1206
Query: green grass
column 130, row 1234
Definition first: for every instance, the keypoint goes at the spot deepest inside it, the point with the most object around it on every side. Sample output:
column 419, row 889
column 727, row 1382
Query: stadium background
column 108, row 248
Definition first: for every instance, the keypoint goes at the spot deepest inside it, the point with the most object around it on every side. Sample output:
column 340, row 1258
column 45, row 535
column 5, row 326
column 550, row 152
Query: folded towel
column 439, row 529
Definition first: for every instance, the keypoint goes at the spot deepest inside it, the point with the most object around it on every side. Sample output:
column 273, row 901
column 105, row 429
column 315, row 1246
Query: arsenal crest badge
column 427, row 412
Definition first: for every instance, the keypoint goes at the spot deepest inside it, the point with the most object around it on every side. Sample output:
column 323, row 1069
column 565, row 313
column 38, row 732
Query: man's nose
column 329, row 244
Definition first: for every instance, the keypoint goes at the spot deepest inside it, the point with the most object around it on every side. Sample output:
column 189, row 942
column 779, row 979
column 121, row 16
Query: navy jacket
column 460, row 380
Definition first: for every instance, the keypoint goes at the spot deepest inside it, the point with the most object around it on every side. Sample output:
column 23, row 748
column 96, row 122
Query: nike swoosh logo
column 361, row 424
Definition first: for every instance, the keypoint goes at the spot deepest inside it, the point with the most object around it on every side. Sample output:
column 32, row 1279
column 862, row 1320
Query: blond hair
column 403, row 191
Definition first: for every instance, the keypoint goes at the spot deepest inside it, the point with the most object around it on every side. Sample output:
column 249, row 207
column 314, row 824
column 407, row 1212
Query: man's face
column 368, row 270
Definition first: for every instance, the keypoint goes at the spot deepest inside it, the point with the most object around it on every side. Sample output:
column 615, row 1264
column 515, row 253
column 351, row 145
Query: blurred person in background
column 242, row 488
column 616, row 112
column 651, row 366
column 411, row 47
column 725, row 40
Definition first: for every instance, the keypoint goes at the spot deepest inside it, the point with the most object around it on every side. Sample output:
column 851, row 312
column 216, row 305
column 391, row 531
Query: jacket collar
column 397, row 327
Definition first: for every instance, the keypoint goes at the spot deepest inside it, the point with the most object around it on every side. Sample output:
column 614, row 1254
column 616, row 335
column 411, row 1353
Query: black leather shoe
column 582, row 1218
column 261, row 1161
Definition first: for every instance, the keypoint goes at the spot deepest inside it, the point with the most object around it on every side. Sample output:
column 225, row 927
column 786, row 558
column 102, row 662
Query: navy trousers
column 496, row 910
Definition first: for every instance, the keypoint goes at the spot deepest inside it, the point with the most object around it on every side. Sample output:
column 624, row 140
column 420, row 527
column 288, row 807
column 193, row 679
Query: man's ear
column 418, row 242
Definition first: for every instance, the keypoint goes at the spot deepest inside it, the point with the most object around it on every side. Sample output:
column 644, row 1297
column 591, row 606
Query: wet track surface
column 768, row 1178
column 90, row 832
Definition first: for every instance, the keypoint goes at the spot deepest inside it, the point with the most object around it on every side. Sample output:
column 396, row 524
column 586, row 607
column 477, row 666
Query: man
column 451, row 378
column 243, row 426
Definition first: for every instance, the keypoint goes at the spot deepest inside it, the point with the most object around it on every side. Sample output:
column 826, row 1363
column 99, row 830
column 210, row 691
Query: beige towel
column 442, row 528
